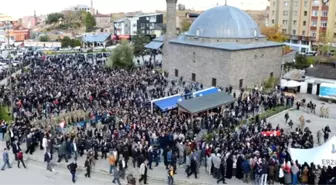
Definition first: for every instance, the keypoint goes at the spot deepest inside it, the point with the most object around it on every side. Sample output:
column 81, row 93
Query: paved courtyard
column 313, row 121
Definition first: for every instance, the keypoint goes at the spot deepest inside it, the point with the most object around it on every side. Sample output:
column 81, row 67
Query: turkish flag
column 271, row 133
column 62, row 124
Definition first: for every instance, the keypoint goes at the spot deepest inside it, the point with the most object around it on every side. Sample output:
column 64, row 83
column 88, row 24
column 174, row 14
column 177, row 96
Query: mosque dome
column 225, row 22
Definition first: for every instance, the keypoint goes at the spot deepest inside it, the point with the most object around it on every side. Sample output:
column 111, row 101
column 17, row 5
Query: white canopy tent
column 290, row 83
column 324, row 155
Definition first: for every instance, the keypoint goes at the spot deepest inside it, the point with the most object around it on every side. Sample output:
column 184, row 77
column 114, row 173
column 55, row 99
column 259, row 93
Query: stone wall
column 227, row 67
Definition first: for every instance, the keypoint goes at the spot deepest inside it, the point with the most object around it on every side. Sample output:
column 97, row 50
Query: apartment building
column 304, row 21
column 151, row 25
column 331, row 27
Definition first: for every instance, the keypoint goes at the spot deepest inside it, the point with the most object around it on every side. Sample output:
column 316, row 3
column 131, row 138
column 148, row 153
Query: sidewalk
column 158, row 174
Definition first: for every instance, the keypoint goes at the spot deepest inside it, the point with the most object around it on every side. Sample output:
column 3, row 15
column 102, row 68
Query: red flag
column 271, row 133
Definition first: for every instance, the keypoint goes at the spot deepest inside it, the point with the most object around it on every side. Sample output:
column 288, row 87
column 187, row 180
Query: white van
column 310, row 53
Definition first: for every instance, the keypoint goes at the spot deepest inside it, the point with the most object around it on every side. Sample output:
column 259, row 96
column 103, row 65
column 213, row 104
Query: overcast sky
column 20, row 8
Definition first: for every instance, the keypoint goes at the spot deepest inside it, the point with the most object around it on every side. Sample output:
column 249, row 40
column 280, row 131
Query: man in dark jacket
column 72, row 167
column 16, row 148
column 264, row 173
column 246, row 170
column 222, row 169
column 87, row 165
column 193, row 166
column 48, row 159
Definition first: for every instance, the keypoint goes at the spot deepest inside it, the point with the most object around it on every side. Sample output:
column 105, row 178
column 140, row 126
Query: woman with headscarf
column 317, row 174
column 295, row 171
column 311, row 176
column 323, row 176
column 229, row 167
column 304, row 174
column 282, row 175
column 271, row 171
column 239, row 172
column 288, row 175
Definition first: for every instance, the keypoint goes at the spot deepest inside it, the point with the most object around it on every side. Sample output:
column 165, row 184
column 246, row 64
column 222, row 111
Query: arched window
column 198, row 32
column 255, row 33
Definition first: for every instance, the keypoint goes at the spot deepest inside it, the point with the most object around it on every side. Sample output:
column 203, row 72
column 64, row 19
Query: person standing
column 143, row 172
column 322, row 111
column 264, row 172
column 45, row 143
column 20, row 159
column 48, row 159
column 258, row 172
column 87, row 166
column 112, row 160
column 16, row 148
column 170, row 175
column 72, row 167
column 5, row 158
column 193, row 167
column 116, row 176
column 246, row 170
column 74, row 149
column 122, row 166
column 222, row 169
column 286, row 117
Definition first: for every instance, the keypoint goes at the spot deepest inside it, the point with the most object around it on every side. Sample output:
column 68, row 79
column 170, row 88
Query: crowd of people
column 71, row 107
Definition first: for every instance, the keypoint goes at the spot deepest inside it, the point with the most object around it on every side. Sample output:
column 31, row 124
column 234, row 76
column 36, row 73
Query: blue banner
column 328, row 92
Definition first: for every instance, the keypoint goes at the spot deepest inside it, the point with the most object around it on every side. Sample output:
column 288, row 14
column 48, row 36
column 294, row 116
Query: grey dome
column 224, row 22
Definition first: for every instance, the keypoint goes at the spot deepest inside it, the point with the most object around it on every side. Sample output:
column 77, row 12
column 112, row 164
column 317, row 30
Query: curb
column 291, row 108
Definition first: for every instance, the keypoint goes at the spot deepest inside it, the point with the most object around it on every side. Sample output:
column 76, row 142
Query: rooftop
column 322, row 71
column 224, row 22
column 101, row 37
column 231, row 46
column 203, row 103
column 295, row 74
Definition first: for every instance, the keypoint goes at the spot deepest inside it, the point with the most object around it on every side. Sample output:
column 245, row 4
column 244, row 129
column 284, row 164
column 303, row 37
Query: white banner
column 324, row 155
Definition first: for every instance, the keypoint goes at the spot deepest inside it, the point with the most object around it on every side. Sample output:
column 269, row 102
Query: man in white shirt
column 74, row 149
column 45, row 143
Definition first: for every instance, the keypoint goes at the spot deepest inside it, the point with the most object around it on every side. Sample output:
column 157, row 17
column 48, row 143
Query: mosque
column 224, row 46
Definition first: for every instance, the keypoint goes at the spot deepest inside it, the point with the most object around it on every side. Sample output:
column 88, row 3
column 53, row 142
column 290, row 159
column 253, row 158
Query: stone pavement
column 313, row 121
column 37, row 174
column 158, row 174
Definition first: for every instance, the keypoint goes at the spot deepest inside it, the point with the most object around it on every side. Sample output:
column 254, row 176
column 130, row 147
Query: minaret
column 91, row 8
column 170, row 34
column 35, row 18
